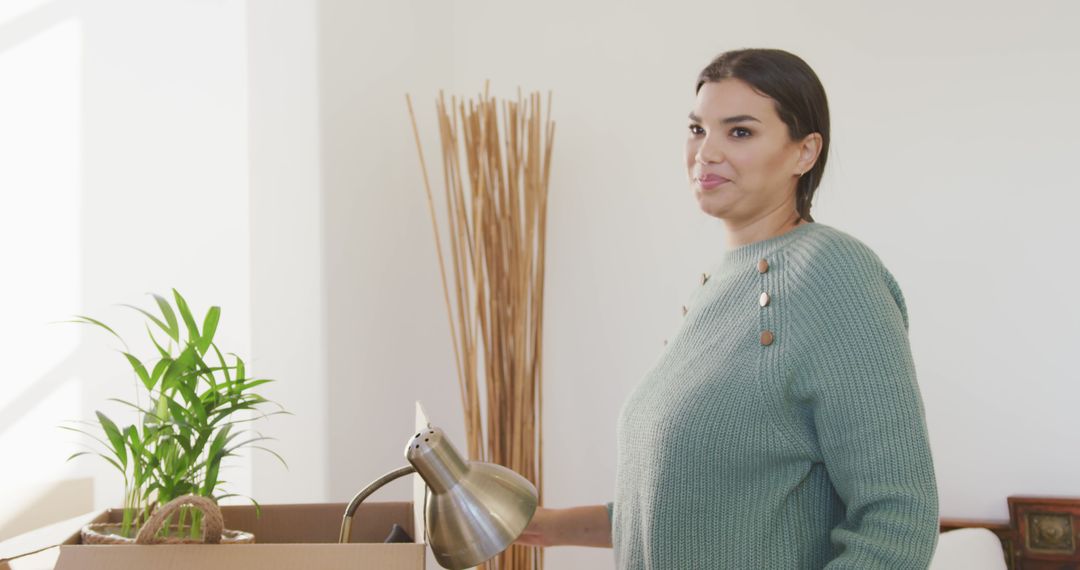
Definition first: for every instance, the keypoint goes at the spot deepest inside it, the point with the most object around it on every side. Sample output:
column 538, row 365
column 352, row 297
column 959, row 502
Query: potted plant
column 191, row 400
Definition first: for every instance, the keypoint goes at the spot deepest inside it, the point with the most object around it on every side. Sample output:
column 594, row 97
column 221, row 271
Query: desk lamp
column 474, row 510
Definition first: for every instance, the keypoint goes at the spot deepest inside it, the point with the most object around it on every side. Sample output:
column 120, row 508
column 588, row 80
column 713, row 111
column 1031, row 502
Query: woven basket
column 213, row 527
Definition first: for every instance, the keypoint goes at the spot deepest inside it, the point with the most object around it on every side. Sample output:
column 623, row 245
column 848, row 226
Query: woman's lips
column 710, row 181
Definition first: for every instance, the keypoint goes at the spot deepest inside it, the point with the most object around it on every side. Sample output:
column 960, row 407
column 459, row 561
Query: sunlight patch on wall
column 45, row 487
column 40, row 255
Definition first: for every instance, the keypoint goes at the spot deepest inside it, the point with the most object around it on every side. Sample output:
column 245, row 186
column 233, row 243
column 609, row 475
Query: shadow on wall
column 45, row 504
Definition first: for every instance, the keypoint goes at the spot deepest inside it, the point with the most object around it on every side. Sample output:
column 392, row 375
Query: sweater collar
column 759, row 249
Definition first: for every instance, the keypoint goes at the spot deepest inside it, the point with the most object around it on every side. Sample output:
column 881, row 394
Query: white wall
column 952, row 126
column 41, row 132
column 287, row 278
column 123, row 170
column 385, row 343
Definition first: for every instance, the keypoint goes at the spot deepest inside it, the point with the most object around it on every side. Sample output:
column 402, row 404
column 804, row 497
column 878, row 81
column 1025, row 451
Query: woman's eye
column 696, row 130
column 737, row 130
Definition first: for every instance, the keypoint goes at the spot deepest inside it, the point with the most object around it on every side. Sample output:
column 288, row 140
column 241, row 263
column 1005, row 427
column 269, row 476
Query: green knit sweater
column 785, row 432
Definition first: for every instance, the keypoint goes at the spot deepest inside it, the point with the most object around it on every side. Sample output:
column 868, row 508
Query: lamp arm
column 346, row 522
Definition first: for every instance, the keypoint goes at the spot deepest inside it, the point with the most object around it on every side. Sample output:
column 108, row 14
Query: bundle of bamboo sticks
column 496, row 212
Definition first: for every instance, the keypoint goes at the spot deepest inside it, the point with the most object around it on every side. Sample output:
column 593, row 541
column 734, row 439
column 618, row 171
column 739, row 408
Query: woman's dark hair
column 799, row 96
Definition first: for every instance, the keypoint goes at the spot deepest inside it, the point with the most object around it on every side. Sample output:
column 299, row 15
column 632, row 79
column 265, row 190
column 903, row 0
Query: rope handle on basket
column 212, row 522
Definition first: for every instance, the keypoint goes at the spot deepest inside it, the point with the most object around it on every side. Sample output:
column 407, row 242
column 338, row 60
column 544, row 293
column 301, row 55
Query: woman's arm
column 869, row 418
column 576, row 526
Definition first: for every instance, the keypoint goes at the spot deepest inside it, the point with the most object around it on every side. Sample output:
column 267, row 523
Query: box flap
column 18, row 549
column 318, row 523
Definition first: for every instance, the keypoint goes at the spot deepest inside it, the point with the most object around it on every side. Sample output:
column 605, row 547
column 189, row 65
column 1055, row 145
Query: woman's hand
column 577, row 526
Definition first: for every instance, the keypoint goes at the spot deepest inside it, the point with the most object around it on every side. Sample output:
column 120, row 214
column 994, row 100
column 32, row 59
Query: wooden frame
column 1042, row 533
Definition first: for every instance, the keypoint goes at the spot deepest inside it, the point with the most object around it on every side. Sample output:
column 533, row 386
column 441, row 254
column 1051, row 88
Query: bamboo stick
column 496, row 194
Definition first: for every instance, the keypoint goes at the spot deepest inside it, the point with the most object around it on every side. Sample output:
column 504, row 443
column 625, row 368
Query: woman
column 782, row 426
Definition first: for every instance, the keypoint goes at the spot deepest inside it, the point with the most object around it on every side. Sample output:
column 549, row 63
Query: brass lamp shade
column 474, row 510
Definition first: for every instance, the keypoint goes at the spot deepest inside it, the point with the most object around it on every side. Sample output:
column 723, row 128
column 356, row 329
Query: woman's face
column 740, row 160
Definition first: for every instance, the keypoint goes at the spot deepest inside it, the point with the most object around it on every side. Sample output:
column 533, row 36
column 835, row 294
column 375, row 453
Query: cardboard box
column 286, row 536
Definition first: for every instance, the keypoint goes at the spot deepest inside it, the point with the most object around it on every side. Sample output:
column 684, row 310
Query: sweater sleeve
column 869, row 419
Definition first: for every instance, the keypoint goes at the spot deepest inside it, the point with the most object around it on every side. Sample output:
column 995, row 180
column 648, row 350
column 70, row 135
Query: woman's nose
column 708, row 153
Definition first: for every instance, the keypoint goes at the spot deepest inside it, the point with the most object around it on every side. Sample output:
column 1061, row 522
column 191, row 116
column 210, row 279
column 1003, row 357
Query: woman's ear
column 809, row 149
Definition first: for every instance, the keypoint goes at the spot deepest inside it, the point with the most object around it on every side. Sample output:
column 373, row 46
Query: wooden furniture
column 1042, row 533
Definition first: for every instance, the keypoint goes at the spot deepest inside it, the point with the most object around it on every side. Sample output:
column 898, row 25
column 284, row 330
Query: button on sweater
column 806, row 451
